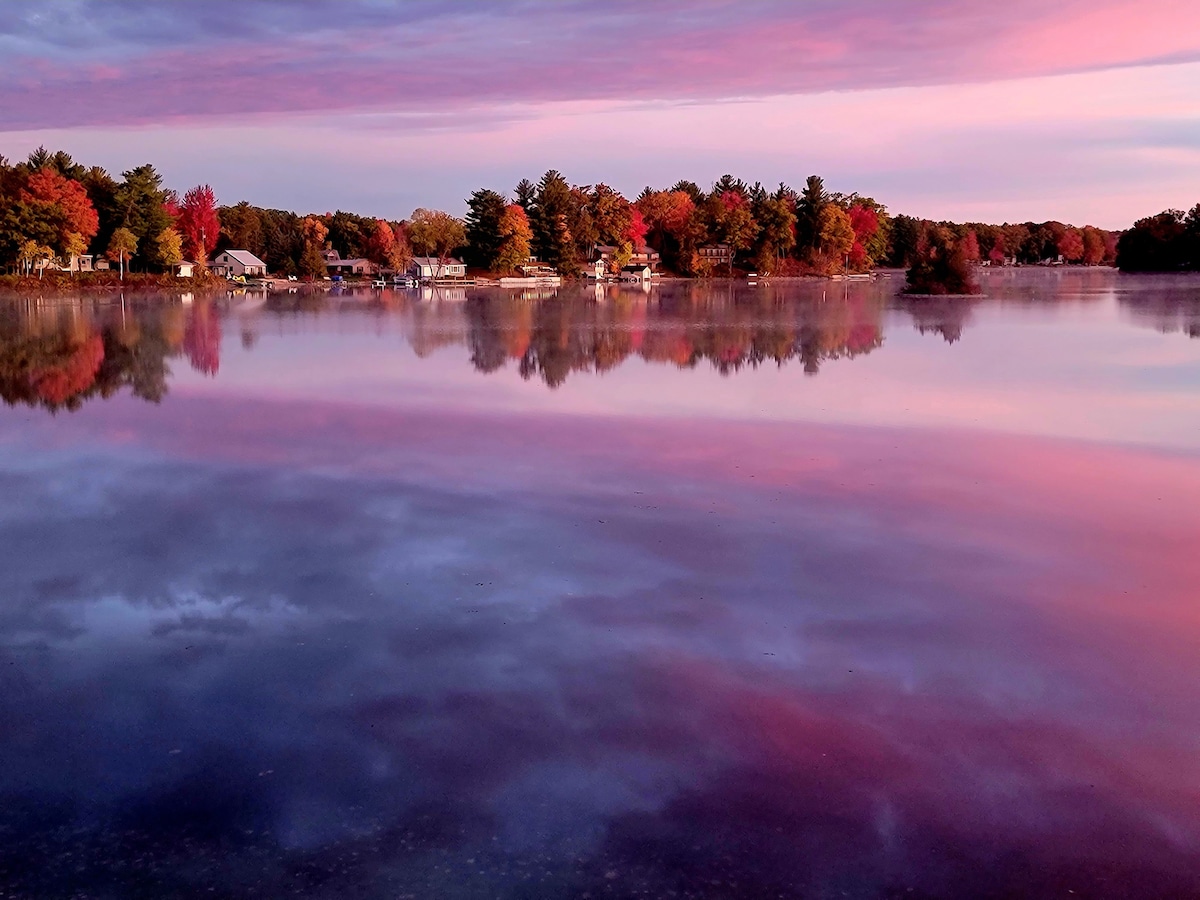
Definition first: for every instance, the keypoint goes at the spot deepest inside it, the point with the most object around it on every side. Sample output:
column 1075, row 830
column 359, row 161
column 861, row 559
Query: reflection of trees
column 202, row 338
column 58, row 357
column 685, row 327
column 939, row 315
column 1171, row 310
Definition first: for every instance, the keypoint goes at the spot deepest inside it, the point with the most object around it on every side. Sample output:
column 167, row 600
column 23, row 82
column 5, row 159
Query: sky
column 1024, row 110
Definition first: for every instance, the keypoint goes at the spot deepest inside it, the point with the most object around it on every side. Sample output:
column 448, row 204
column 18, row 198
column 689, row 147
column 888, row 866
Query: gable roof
column 245, row 257
column 435, row 262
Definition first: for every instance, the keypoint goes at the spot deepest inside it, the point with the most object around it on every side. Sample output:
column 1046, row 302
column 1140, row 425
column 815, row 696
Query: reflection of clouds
column 852, row 650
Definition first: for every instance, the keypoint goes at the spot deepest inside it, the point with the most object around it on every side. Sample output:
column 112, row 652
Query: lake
column 714, row 590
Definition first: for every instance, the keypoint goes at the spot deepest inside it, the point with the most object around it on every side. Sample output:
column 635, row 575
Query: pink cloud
column 556, row 52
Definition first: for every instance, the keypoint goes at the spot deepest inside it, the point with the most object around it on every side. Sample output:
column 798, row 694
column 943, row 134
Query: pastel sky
column 1081, row 111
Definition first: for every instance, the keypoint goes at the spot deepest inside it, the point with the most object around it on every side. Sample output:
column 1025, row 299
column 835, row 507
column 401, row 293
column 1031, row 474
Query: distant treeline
column 53, row 209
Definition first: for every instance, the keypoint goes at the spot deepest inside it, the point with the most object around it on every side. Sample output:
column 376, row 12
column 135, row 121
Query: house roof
column 347, row 262
column 245, row 257
column 635, row 268
column 435, row 262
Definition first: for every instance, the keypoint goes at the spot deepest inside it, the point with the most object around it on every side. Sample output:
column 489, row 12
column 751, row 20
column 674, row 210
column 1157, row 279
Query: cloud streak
column 142, row 63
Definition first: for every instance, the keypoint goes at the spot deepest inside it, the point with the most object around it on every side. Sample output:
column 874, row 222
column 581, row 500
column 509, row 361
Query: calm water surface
column 716, row 591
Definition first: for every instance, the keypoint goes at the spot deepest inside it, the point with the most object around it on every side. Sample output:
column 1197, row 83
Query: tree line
column 53, row 208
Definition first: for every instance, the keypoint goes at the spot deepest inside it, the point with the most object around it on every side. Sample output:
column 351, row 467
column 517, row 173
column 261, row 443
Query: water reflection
column 281, row 648
column 60, row 354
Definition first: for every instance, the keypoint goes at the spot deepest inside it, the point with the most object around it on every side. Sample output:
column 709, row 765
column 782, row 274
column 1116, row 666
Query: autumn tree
column 941, row 266
column 170, row 247
column 1094, row 249
column 835, row 238
column 313, row 233
column 123, row 245
column 199, row 224
column 384, row 250
column 516, row 238
column 62, row 204
column 73, row 248
column 1070, row 245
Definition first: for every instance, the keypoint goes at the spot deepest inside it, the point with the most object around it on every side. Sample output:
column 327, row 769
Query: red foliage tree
column 198, row 223
column 970, row 247
column 998, row 253
column 1070, row 245
column 637, row 230
column 381, row 245
column 67, row 201
column 865, row 222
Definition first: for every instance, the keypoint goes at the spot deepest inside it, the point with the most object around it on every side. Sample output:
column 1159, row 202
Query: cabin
column 430, row 268
column 185, row 269
column 636, row 273
column 596, row 270
column 238, row 263
column 335, row 265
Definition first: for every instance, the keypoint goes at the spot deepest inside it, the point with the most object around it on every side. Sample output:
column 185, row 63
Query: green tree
column 435, row 233
column 812, row 202
column 141, row 201
column 486, row 210
column 550, row 217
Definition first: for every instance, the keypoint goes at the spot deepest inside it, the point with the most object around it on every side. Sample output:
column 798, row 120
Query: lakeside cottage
column 606, row 256
column 185, row 269
column 335, row 265
column 636, row 273
column 430, row 268
column 238, row 263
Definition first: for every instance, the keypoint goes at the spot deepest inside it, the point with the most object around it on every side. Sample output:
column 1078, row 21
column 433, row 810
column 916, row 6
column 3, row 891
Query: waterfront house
column 430, row 268
column 607, row 256
column 335, row 265
column 636, row 273
column 238, row 263
column 185, row 269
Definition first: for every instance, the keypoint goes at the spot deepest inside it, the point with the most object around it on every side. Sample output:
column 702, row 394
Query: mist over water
column 798, row 590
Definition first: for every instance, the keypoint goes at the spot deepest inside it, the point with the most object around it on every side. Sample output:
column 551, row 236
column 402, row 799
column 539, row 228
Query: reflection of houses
column 716, row 254
column 608, row 257
column 430, row 268
column 238, row 263
column 335, row 265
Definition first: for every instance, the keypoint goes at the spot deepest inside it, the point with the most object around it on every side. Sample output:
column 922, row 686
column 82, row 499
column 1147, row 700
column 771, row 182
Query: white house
column 185, row 269
column 430, row 268
column 234, row 263
column 636, row 273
